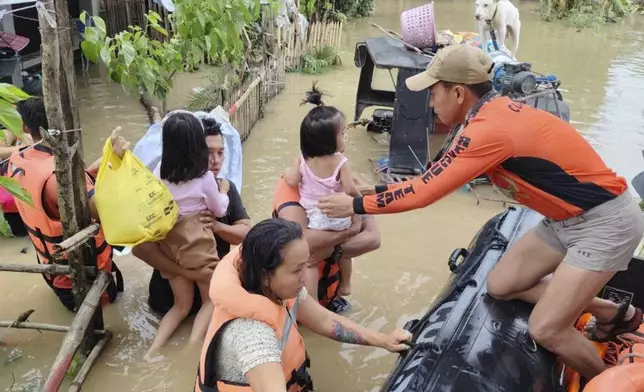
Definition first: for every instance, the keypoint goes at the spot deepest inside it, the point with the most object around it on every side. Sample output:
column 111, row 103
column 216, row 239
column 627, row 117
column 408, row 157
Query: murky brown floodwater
column 602, row 70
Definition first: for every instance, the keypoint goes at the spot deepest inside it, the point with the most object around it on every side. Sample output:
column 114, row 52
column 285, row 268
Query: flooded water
column 602, row 71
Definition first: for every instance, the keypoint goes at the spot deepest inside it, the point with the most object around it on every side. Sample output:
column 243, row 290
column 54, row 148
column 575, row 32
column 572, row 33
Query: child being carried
column 322, row 170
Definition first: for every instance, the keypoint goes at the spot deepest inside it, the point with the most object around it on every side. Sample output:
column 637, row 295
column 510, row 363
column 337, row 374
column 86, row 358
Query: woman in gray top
column 245, row 345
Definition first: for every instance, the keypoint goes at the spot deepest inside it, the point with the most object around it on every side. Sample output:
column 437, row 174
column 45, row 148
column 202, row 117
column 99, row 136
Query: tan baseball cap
column 460, row 63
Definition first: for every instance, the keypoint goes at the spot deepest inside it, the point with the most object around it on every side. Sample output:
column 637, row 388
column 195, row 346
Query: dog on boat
column 501, row 16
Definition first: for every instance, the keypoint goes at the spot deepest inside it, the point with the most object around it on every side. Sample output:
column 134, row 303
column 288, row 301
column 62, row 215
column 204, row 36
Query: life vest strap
column 44, row 237
column 301, row 377
column 284, row 205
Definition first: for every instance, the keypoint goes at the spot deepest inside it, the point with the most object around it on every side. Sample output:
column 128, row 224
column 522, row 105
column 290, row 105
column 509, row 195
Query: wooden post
column 76, row 334
column 79, row 216
column 59, row 95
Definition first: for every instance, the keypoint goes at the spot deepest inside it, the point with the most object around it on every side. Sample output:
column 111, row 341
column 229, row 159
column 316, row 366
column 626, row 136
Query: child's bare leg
column 202, row 319
column 345, row 264
column 183, row 293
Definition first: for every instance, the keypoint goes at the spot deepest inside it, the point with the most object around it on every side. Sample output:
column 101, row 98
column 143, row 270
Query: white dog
column 503, row 17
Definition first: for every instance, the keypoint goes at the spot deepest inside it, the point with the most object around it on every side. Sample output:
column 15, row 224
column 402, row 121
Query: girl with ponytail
column 322, row 170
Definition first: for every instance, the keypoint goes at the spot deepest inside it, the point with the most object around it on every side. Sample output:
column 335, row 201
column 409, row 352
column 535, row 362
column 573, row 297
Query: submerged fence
column 248, row 100
column 319, row 35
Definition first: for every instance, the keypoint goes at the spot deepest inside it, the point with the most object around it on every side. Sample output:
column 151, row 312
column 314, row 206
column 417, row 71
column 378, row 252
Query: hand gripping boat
column 468, row 341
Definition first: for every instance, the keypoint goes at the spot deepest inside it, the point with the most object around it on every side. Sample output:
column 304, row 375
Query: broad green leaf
column 147, row 77
column 160, row 29
column 152, row 17
column 10, row 118
column 100, row 24
column 202, row 19
column 13, row 187
column 92, row 35
column 129, row 53
column 5, row 229
column 11, row 93
column 83, row 17
column 105, row 55
column 91, row 51
column 142, row 45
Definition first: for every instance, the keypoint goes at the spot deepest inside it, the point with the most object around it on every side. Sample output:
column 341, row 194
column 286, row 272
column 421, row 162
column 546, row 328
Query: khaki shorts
column 603, row 238
column 190, row 244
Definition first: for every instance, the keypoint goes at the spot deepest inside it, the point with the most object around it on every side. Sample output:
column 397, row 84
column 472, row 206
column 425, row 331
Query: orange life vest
column 621, row 378
column 329, row 269
column 231, row 301
column 32, row 168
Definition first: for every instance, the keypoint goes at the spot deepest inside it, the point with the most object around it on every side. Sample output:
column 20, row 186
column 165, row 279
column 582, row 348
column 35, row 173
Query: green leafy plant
column 585, row 13
column 320, row 60
column 136, row 61
column 11, row 120
column 214, row 27
column 140, row 63
column 221, row 81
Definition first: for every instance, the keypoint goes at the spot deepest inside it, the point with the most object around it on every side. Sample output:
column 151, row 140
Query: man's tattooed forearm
column 340, row 333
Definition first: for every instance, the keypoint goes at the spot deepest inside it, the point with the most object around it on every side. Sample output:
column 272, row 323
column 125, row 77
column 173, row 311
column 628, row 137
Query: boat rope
column 630, row 356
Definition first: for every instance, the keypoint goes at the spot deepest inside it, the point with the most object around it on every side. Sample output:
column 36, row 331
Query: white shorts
column 319, row 221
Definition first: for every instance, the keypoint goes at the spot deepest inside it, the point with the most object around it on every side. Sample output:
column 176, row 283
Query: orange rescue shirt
column 531, row 155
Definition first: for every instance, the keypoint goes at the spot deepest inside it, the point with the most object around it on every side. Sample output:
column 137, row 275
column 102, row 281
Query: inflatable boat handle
column 452, row 262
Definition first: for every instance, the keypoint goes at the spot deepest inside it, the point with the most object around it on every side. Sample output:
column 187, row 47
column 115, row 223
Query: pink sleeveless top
column 313, row 187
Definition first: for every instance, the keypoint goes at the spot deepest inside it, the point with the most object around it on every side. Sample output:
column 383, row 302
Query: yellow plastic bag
column 133, row 205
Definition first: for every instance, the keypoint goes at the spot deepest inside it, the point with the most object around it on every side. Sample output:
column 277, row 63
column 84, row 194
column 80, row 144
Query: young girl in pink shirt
column 184, row 170
column 322, row 170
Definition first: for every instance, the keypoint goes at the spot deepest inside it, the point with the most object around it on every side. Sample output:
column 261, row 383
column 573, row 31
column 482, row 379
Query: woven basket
column 418, row 26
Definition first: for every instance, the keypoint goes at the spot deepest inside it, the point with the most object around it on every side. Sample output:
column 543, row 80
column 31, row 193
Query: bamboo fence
column 319, row 35
column 245, row 106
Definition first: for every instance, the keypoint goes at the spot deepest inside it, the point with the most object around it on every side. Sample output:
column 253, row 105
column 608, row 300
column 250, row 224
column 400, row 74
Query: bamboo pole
column 76, row 334
column 89, row 362
column 51, row 269
column 42, row 327
column 76, row 239
column 233, row 109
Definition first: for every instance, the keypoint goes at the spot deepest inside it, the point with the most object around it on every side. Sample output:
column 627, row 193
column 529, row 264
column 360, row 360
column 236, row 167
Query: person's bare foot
column 344, row 289
column 152, row 357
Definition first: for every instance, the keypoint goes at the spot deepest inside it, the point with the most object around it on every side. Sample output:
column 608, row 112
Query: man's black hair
column 478, row 89
column 211, row 127
column 32, row 111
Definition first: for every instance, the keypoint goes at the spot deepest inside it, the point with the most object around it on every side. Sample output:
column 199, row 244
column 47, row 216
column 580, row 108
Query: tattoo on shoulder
column 340, row 333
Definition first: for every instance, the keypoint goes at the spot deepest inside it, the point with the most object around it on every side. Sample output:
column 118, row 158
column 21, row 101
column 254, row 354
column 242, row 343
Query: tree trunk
column 59, row 94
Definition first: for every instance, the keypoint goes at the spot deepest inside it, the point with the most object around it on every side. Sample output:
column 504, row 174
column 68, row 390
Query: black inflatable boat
column 468, row 342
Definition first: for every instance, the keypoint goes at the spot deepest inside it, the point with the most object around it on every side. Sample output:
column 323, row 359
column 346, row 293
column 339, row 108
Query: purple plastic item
column 418, row 26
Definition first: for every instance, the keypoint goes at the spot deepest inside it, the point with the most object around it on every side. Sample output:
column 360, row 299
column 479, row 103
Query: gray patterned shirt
column 246, row 344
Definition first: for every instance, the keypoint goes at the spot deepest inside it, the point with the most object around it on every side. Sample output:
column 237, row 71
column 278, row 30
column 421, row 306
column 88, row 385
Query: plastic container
column 418, row 26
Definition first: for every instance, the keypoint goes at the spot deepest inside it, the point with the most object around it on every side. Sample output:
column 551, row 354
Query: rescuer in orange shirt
column 591, row 224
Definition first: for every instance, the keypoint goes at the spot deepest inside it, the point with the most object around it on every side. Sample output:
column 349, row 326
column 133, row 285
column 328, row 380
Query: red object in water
column 12, row 41
column 7, row 202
